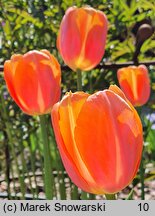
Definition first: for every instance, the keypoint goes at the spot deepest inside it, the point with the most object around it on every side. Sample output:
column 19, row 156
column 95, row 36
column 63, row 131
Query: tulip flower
column 135, row 83
column 100, row 139
column 82, row 37
column 33, row 80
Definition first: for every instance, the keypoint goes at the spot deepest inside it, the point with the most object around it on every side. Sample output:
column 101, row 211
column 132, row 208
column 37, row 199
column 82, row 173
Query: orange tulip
column 82, row 37
column 135, row 83
column 99, row 138
column 33, row 80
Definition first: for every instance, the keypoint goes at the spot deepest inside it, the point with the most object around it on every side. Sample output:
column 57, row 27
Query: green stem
column 32, row 159
column 60, row 170
column 7, row 172
column 92, row 196
column 47, row 159
column 13, row 181
column 142, row 172
column 24, row 168
column 142, row 168
column 10, row 139
column 130, row 195
column 110, row 196
column 84, row 195
column 74, row 192
column 79, row 80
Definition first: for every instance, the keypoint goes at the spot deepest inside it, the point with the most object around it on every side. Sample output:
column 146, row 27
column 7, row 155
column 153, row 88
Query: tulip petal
column 68, row 112
column 55, row 73
column 127, row 79
column 84, row 23
column 118, row 91
column 82, row 36
column 112, row 168
column 32, row 73
column 100, row 139
column 69, row 44
column 96, row 39
column 9, row 72
column 135, row 83
column 143, row 81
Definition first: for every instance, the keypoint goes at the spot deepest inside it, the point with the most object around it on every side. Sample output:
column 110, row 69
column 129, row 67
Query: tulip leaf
column 33, row 142
column 26, row 16
column 148, row 45
column 7, row 29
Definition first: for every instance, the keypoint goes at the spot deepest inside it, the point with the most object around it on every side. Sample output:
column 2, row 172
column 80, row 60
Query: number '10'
column 143, row 206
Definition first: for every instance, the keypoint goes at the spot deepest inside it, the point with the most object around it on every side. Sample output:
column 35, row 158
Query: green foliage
column 34, row 24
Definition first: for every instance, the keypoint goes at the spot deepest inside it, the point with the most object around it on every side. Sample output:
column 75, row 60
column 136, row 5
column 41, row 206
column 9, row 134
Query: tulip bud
column 82, row 37
column 33, row 80
column 100, row 139
column 135, row 83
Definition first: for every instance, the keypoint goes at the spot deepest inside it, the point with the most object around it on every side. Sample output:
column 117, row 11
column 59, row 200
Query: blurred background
column 33, row 24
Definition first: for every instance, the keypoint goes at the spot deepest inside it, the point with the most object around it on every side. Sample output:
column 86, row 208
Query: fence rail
column 108, row 65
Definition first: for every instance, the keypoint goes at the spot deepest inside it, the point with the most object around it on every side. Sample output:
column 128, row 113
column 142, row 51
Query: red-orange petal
column 99, row 138
column 110, row 147
column 82, row 36
column 9, row 71
column 64, row 116
column 135, row 83
column 68, row 42
column 96, row 39
column 33, row 80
